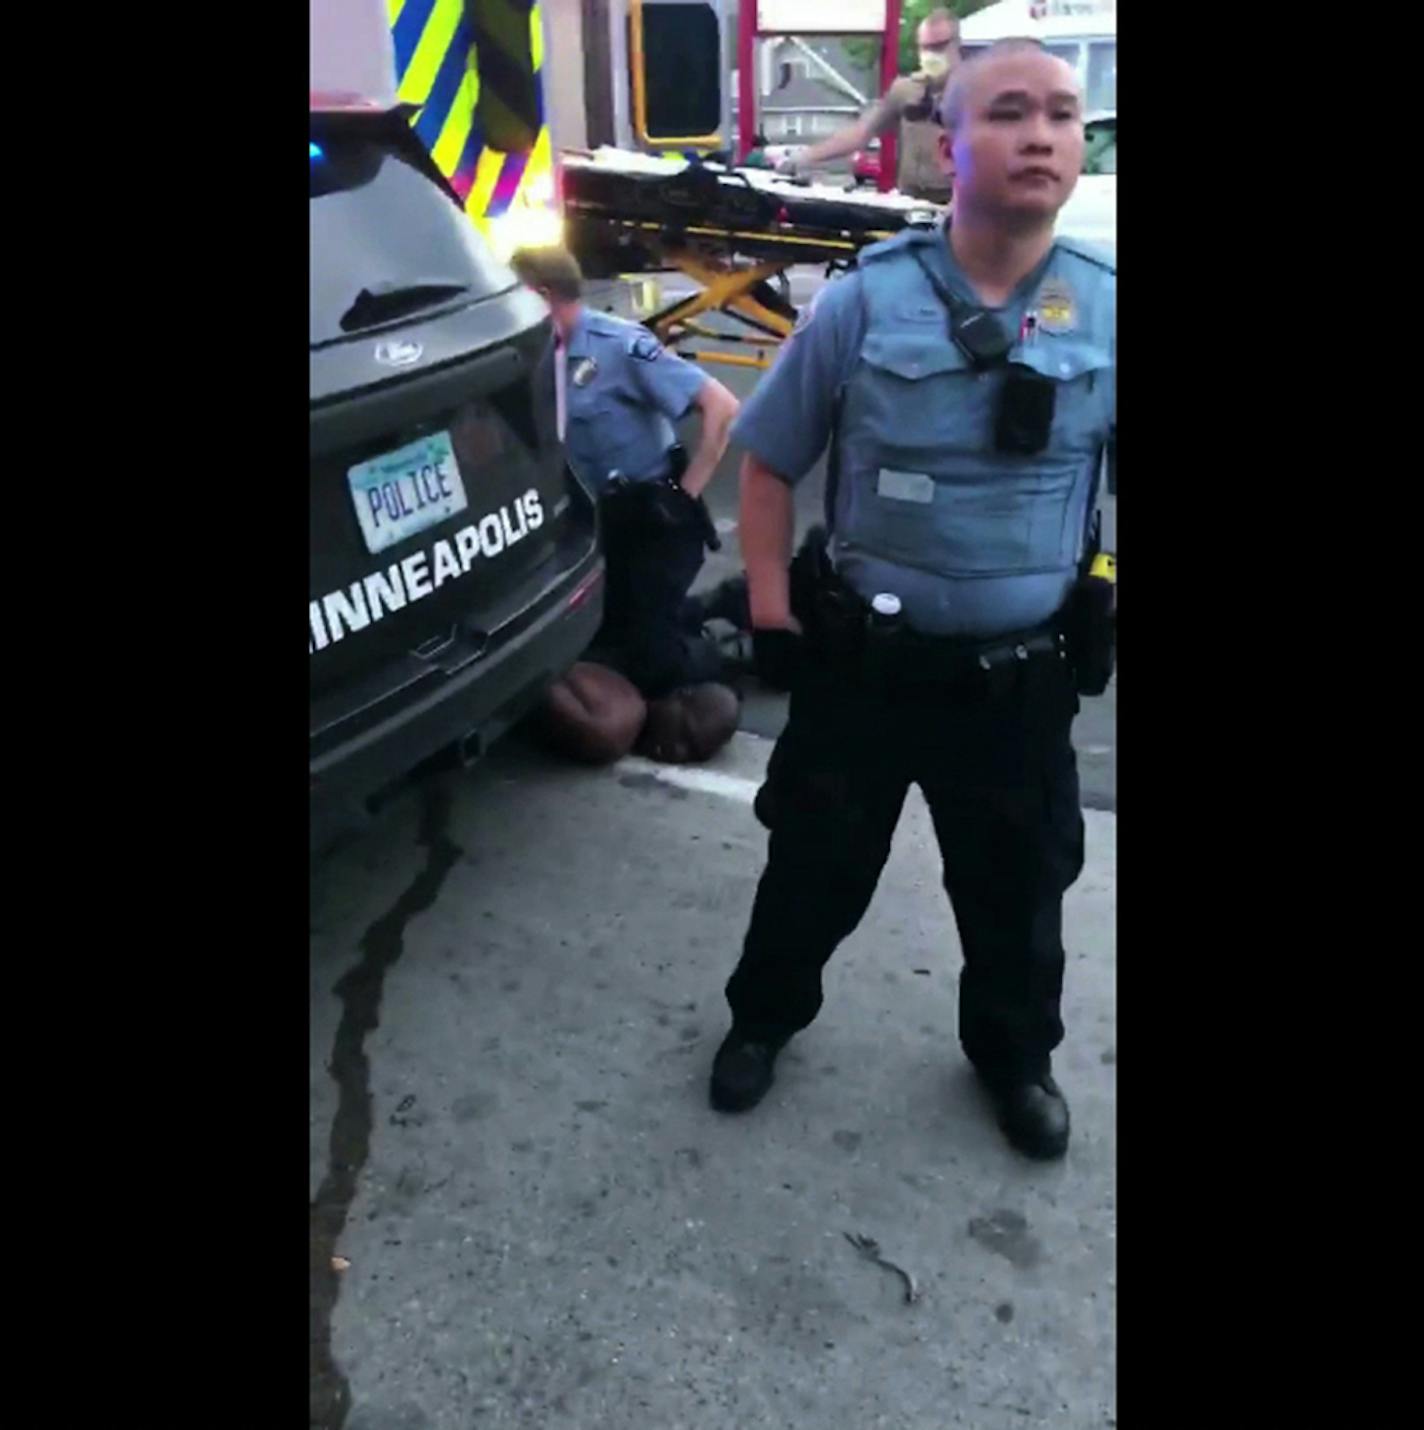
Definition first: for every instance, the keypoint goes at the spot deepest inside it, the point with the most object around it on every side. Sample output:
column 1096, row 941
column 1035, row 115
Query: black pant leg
column 660, row 569
column 1002, row 787
column 837, row 786
column 620, row 548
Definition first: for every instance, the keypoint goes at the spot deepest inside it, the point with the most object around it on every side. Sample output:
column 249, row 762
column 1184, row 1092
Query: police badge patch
column 1056, row 307
column 646, row 348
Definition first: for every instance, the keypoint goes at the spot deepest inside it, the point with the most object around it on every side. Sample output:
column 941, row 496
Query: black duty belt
column 904, row 656
column 840, row 628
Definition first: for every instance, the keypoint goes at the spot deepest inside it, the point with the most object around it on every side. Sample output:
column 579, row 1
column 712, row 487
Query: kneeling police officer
column 622, row 392
column 964, row 379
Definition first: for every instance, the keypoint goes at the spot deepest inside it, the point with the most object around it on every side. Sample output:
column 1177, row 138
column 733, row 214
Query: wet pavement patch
column 1006, row 1234
column 359, row 991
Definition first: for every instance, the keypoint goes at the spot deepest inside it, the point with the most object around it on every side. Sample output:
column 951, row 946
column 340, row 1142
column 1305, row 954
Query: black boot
column 727, row 601
column 742, row 1069
column 1033, row 1114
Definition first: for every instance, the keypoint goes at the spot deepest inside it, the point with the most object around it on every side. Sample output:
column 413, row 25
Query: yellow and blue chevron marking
column 442, row 62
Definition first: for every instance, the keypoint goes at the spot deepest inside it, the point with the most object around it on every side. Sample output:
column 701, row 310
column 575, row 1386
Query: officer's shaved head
column 952, row 105
column 1012, row 144
column 552, row 270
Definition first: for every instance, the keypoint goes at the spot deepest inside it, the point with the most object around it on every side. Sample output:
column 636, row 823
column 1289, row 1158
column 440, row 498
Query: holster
column 660, row 505
column 832, row 615
column 1089, row 623
column 701, row 514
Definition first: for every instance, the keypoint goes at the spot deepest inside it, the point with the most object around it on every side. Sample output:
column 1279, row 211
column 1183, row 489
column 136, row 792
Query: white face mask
column 934, row 63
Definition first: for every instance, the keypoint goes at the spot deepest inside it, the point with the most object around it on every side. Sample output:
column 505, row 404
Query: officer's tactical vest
column 920, row 174
column 919, row 485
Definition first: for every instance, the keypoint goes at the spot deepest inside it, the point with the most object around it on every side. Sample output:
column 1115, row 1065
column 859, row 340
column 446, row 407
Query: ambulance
column 495, row 89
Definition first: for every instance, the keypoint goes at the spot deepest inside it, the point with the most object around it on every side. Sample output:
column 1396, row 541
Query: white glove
column 789, row 162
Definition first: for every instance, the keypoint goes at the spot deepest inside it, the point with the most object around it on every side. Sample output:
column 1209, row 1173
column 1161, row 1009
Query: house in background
column 807, row 89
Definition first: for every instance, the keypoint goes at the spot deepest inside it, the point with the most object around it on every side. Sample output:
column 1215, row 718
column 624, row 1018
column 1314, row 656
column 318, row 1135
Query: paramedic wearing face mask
column 913, row 103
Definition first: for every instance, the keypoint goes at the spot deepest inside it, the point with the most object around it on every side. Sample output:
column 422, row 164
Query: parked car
column 454, row 561
column 865, row 164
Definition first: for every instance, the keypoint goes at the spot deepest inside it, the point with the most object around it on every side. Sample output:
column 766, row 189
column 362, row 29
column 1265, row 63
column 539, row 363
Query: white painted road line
column 746, row 750
column 692, row 777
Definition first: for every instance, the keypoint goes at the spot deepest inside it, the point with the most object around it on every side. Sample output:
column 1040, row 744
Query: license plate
column 406, row 491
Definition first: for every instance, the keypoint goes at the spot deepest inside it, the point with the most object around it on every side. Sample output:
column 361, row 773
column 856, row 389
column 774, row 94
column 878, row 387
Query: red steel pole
column 746, row 81
column 889, row 73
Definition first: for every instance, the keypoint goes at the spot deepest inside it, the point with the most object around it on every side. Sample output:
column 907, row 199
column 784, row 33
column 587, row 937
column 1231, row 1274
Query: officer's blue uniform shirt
column 974, row 542
column 623, row 392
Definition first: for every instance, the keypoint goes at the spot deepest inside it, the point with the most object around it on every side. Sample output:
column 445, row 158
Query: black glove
column 778, row 656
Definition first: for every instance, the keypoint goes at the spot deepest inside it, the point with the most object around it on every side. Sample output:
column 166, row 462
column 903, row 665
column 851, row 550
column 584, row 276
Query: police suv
column 455, row 568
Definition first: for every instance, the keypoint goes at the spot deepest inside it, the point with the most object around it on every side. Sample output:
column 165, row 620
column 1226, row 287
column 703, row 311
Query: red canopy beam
column 748, row 31
column 889, row 73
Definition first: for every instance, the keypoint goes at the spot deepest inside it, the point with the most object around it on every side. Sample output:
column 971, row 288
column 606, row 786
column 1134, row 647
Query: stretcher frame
column 735, row 268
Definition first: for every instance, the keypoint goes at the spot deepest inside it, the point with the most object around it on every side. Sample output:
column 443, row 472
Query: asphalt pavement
column 524, row 1212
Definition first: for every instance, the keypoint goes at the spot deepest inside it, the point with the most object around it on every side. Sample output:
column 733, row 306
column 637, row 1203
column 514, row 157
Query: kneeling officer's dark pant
column 654, row 541
column 995, row 763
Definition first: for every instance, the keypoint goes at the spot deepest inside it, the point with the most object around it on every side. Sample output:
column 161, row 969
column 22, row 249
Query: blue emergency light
column 317, row 152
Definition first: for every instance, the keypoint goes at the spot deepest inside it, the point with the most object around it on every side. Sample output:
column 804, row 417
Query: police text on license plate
column 403, row 492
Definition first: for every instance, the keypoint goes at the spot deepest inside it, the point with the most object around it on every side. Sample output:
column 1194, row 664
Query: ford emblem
column 398, row 353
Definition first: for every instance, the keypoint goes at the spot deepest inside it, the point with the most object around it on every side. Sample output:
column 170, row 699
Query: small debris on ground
column 869, row 1247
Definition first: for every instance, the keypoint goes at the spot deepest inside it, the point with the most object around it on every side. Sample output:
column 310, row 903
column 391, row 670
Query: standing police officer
column 964, row 378
column 622, row 393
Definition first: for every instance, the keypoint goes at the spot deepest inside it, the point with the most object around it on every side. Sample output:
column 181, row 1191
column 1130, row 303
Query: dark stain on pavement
column 1006, row 1234
column 360, row 990
column 646, row 781
column 471, row 1107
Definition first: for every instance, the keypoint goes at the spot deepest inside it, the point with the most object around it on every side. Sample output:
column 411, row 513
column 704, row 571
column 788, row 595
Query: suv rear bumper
column 467, row 713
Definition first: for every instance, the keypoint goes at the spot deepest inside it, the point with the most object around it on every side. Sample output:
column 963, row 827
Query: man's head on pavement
column 938, row 38
column 554, row 274
column 690, row 725
column 1013, row 133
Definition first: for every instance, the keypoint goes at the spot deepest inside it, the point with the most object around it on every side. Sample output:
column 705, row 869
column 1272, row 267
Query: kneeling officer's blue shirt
column 973, row 541
column 623, row 392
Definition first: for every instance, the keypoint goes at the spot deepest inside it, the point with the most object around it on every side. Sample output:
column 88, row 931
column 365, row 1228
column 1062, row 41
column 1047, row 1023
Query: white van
column 1083, row 32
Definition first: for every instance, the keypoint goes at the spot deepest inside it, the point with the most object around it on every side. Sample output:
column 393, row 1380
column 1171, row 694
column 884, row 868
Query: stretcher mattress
column 751, row 212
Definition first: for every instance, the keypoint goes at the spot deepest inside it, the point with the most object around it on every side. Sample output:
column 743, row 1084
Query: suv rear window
column 380, row 225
